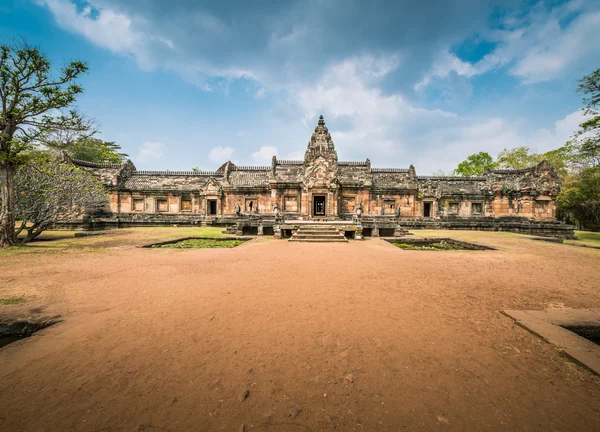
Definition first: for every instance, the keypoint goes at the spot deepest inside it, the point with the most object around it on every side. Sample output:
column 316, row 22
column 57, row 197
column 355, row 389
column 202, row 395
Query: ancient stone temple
column 278, row 199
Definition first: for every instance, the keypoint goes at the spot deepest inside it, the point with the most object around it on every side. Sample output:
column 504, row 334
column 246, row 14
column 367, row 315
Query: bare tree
column 32, row 106
column 51, row 192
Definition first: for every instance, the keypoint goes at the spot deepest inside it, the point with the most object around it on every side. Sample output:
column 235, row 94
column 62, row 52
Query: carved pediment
column 211, row 187
column 320, row 173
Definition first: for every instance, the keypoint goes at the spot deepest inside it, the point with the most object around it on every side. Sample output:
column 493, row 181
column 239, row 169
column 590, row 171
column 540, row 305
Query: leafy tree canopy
column 95, row 150
column 48, row 192
column 475, row 164
column 35, row 103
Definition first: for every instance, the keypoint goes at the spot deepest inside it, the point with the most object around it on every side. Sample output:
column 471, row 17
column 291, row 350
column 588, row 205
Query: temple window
column 138, row 204
column 250, row 205
column 453, row 208
column 162, row 205
column 389, row 206
column 186, row 205
column 476, row 208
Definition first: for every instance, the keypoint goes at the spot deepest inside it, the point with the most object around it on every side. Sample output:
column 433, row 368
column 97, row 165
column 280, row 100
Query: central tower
column 320, row 175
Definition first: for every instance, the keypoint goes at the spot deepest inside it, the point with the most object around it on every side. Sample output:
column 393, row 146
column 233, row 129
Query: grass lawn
column 588, row 238
column 200, row 244
column 66, row 242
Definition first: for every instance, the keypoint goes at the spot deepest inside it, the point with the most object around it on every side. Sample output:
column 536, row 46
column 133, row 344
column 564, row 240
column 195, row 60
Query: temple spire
column 320, row 143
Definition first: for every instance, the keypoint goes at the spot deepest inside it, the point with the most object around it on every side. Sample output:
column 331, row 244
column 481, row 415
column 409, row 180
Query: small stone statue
column 359, row 209
column 276, row 209
column 398, row 209
column 238, row 211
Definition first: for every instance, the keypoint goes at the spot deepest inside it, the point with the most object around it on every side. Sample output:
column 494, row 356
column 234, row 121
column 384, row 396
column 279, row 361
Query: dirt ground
column 280, row 336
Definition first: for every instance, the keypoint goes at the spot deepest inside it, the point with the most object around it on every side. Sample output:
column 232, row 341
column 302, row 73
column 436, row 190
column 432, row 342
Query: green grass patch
column 200, row 244
column 437, row 246
column 588, row 238
column 12, row 300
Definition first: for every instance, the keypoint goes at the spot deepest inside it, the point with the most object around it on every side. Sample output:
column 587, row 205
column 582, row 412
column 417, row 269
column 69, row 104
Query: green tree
column 516, row 158
column 95, row 150
column 33, row 104
column 48, row 192
column 580, row 194
column 475, row 164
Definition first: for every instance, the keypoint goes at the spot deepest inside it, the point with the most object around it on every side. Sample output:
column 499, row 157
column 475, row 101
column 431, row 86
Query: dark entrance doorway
column 212, row 207
column 319, row 206
column 427, row 209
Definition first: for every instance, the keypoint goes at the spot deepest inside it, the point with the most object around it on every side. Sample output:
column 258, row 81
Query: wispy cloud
column 264, row 154
column 150, row 151
column 221, row 154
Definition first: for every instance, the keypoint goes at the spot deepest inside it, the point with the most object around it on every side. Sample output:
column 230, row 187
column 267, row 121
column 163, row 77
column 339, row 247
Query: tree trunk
column 7, row 205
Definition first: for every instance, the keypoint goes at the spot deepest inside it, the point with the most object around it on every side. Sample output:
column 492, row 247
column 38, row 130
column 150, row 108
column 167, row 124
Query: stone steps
column 318, row 233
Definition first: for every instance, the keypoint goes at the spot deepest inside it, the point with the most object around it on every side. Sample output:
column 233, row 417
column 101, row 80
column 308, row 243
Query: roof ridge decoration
column 289, row 162
column 353, row 163
column 320, row 144
column 95, row 164
column 251, row 168
column 178, row 173
column 390, row 170
column 456, row 178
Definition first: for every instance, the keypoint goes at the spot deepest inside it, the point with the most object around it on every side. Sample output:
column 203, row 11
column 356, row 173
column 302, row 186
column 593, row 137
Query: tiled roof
column 170, row 182
column 255, row 178
column 391, row 179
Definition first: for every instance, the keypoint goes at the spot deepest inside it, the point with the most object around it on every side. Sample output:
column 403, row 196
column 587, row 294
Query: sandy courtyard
column 278, row 336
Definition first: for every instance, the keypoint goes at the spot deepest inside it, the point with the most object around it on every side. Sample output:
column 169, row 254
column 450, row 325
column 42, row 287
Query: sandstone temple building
column 277, row 199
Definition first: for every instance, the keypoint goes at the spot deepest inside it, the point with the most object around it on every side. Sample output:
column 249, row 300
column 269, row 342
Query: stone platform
column 319, row 233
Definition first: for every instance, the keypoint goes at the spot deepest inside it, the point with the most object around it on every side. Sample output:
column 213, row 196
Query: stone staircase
column 318, row 233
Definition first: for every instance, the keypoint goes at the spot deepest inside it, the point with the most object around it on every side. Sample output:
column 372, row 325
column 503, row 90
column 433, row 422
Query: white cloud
column 150, row 150
column 537, row 47
column 553, row 49
column 392, row 132
column 221, row 154
column 264, row 155
column 298, row 155
column 104, row 27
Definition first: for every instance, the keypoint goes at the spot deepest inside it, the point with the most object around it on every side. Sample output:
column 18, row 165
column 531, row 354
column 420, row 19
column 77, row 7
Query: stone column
column 260, row 229
column 398, row 231
column 375, row 231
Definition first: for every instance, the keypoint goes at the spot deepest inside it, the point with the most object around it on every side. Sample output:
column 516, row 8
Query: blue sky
column 184, row 84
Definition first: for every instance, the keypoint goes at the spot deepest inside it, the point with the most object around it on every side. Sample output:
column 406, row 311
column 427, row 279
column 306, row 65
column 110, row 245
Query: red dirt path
column 168, row 340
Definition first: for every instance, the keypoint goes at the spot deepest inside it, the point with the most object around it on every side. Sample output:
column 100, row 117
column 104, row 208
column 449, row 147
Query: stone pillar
column 277, row 231
column 260, row 229
column 375, row 231
column 398, row 231
column 358, row 234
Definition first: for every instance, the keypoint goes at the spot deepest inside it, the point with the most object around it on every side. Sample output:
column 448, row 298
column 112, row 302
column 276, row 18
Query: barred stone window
column 476, row 208
column 290, row 203
column 162, row 205
column 453, row 208
column 138, row 204
column 389, row 206
column 186, row 205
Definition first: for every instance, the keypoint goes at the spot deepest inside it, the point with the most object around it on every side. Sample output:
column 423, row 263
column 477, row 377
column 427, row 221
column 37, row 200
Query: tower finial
column 321, row 121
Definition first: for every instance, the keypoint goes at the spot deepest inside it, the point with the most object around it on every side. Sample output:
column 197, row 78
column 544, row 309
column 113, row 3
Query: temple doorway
column 319, row 205
column 427, row 209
